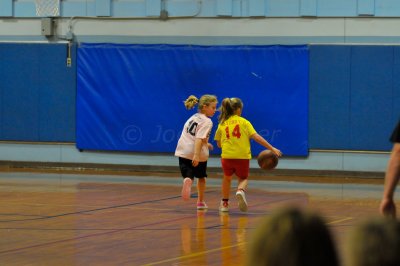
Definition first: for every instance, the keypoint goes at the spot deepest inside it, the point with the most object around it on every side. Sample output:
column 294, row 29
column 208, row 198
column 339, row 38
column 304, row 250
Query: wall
column 200, row 8
column 351, row 89
column 354, row 96
column 281, row 22
column 37, row 92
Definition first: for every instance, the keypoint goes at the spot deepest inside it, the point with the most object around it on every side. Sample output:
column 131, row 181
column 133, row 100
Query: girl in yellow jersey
column 233, row 137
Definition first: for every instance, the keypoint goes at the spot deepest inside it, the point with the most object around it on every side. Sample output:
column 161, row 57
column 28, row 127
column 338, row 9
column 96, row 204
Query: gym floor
column 112, row 218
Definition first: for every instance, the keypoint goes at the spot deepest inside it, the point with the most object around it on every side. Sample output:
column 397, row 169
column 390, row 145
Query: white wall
column 67, row 153
column 212, row 30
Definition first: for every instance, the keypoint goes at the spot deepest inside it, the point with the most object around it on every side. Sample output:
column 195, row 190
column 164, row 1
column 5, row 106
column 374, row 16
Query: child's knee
column 227, row 178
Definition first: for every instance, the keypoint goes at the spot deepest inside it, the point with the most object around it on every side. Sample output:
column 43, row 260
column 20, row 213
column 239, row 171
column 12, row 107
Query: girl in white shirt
column 193, row 146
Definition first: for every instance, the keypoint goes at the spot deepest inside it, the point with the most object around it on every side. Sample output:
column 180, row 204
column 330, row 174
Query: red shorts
column 240, row 167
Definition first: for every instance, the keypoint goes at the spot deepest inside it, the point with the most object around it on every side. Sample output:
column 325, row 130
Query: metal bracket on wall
column 69, row 59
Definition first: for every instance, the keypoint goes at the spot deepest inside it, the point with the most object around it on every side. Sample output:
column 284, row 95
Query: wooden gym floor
column 139, row 219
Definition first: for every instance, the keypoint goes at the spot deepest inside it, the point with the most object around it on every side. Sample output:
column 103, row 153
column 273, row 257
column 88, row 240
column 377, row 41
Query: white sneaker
column 224, row 206
column 241, row 197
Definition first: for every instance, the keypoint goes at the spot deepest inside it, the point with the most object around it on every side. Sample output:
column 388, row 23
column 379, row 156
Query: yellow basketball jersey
column 234, row 136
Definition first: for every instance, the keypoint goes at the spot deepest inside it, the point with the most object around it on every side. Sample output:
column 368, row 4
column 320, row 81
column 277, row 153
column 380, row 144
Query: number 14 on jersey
column 235, row 132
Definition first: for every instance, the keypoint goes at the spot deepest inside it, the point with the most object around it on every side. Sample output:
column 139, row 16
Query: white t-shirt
column 198, row 126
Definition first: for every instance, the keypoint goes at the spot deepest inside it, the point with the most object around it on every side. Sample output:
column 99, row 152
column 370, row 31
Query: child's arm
column 197, row 148
column 260, row 140
column 217, row 137
column 218, row 143
column 209, row 145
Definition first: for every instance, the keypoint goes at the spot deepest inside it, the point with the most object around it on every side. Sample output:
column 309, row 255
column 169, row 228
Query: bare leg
column 226, row 186
column 201, row 187
column 242, row 184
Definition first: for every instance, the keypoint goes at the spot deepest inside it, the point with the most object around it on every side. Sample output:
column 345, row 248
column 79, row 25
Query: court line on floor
column 88, row 211
column 195, row 254
column 222, row 248
column 111, row 231
column 340, row 220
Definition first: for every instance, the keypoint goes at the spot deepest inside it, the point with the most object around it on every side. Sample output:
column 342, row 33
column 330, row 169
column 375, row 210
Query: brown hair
column 375, row 241
column 292, row 237
column 228, row 108
column 205, row 100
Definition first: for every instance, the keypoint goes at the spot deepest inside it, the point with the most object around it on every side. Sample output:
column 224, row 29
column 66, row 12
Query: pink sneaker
column 202, row 205
column 187, row 186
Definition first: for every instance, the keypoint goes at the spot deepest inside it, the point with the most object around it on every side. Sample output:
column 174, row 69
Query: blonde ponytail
column 205, row 100
column 191, row 102
column 228, row 108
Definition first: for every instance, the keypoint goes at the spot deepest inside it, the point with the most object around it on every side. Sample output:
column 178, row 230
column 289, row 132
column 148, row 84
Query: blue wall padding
column 130, row 97
column 396, row 87
column 37, row 92
column 329, row 97
column 371, row 90
column 20, row 115
column 354, row 93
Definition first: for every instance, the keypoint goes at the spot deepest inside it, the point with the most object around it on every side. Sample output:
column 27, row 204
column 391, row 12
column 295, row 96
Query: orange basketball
column 267, row 160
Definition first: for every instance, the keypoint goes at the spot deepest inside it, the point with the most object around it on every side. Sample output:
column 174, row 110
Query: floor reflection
column 194, row 240
column 145, row 221
column 231, row 233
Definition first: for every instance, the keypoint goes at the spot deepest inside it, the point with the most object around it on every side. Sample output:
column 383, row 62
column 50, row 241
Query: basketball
column 267, row 160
